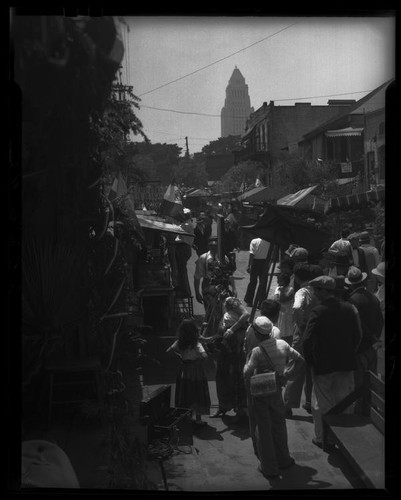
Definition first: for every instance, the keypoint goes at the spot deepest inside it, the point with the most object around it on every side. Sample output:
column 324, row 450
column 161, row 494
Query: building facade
column 355, row 140
column 272, row 130
column 237, row 106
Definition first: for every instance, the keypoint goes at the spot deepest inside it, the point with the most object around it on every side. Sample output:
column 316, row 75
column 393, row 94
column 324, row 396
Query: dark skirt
column 192, row 388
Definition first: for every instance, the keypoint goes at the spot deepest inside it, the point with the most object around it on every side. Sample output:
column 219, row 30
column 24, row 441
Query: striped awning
column 356, row 199
column 344, row 132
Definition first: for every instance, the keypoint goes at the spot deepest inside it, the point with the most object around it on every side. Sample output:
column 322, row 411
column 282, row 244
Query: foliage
column 222, row 145
column 294, row 173
column 162, row 157
column 190, row 173
column 244, row 172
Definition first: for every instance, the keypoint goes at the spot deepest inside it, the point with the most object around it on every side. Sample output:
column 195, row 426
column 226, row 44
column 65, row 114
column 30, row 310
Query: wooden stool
column 76, row 381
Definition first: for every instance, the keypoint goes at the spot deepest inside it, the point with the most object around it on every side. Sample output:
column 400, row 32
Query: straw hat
column 379, row 270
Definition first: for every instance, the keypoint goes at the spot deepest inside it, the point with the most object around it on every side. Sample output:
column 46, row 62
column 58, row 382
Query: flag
column 124, row 200
column 118, row 188
column 172, row 203
column 258, row 183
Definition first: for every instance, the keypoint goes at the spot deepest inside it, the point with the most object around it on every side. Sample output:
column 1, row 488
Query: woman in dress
column 230, row 359
column 192, row 389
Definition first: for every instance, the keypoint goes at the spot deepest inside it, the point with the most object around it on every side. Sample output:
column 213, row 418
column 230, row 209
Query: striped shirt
column 280, row 353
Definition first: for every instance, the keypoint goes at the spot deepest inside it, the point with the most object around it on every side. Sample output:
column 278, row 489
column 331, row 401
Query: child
column 192, row 389
column 285, row 295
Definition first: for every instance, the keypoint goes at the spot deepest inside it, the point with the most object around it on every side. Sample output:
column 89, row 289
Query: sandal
column 218, row 414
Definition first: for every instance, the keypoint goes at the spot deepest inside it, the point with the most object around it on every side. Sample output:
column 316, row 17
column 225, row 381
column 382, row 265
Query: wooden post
column 274, row 261
column 220, row 229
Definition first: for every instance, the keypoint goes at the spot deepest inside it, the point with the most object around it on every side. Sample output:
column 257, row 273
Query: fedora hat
column 355, row 276
column 262, row 325
column 325, row 282
column 380, row 269
column 364, row 237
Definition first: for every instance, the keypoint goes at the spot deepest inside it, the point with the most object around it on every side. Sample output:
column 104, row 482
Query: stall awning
column 356, row 199
column 293, row 199
column 344, row 132
column 260, row 195
column 152, row 222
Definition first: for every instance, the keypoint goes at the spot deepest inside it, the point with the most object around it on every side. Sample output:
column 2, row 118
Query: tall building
column 237, row 106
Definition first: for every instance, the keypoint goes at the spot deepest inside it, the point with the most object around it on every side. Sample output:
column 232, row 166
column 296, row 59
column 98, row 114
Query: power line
column 219, row 60
column 275, row 100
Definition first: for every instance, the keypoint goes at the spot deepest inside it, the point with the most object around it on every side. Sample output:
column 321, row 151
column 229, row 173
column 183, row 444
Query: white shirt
column 259, row 248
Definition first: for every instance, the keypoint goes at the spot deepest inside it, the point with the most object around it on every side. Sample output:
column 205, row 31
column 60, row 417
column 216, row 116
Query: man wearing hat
column 202, row 233
column 371, row 258
column 300, row 254
column 343, row 245
column 372, row 323
column 330, row 341
column 267, row 414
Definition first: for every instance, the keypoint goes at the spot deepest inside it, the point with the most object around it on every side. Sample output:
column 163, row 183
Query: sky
column 182, row 65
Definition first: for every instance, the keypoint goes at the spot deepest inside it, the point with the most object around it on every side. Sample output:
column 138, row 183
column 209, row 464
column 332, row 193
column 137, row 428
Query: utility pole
column 186, row 142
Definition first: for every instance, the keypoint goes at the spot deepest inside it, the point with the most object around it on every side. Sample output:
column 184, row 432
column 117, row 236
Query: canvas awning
column 157, row 223
column 344, row 132
column 260, row 195
column 294, row 198
column 356, row 199
column 278, row 226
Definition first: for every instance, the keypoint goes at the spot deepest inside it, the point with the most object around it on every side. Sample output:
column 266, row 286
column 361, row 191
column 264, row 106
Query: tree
column 244, row 172
column 164, row 158
column 191, row 173
column 223, row 145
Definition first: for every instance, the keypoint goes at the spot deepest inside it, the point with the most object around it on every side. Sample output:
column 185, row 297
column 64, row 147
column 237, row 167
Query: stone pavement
column 221, row 457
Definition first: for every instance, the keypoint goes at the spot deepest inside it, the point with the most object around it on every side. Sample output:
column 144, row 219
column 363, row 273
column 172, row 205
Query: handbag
column 264, row 384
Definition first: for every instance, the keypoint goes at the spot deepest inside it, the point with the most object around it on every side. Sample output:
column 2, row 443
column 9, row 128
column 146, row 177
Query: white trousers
column 328, row 390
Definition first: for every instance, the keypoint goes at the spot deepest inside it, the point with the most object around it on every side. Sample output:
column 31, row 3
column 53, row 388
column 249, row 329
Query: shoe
column 317, row 443
column 288, row 413
column 218, row 414
column 199, row 423
column 308, row 408
column 292, row 462
column 268, row 476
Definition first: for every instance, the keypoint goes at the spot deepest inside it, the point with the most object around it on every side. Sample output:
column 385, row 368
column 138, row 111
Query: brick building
column 272, row 129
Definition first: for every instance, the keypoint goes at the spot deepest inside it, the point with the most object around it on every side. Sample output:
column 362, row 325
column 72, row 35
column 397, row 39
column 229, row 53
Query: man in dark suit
column 330, row 343
column 372, row 322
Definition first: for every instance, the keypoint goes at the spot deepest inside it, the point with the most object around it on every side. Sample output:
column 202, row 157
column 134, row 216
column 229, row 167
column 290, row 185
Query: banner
column 172, row 203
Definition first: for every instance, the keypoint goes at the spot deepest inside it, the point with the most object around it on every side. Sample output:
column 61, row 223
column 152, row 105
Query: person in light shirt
column 343, row 245
column 258, row 250
column 183, row 252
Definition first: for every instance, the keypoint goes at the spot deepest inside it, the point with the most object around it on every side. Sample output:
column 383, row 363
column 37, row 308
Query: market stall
column 154, row 269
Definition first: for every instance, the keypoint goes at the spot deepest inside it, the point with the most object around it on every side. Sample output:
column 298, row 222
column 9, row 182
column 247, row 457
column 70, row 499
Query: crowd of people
column 320, row 332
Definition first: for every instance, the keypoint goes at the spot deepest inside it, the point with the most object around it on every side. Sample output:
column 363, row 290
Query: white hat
column 380, row 269
column 262, row 325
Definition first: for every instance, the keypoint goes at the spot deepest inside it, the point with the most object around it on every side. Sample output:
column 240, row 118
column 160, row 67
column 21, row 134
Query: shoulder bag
column 264, row 384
